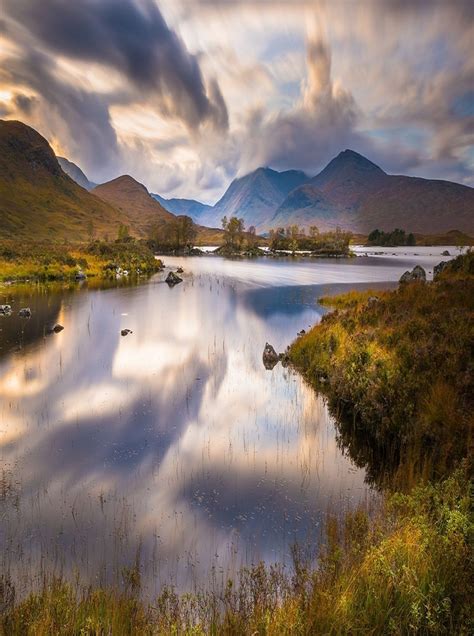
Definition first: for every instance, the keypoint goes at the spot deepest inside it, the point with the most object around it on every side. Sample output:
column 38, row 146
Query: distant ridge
column 76, row 173
column 195, row 209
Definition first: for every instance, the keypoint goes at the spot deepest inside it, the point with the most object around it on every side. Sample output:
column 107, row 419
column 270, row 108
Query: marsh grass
column 398, row 370
column 407, row 571
column 43, row 262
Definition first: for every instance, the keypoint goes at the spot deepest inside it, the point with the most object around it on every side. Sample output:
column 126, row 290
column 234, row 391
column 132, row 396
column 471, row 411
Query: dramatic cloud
column 187, row 94
column 132, row 38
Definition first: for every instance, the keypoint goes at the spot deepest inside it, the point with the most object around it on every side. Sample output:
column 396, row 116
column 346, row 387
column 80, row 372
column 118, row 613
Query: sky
column 186, row 95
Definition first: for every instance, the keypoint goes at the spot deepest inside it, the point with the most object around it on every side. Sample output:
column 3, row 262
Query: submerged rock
column 5, row 310
column 125, row 332
column 270, row 357
column 173, row 279
column 25, row 312
column 416, row 274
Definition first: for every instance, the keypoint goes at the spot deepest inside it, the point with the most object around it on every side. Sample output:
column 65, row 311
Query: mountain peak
column 126, row 182
column 354, row 158
column 32, row 152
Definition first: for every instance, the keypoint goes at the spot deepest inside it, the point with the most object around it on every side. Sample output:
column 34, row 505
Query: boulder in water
column 125, row 332
column 25, row 312
column 270, row 356
column 5, row 310
column 173, row 279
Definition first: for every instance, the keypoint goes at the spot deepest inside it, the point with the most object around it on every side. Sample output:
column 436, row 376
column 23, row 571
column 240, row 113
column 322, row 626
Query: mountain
column 254, row 197
column 348, row 178
column 143, row 211
column 38, row 199
column 188, row 207
column 135, row 202
column 75, row 173
column 354, row 193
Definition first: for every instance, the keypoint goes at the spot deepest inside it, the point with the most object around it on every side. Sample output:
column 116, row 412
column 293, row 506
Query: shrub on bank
column 49, row 261
column 399, row 365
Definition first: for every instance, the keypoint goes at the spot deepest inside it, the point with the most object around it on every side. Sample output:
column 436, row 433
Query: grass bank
column 397, row 368
column 42, row 262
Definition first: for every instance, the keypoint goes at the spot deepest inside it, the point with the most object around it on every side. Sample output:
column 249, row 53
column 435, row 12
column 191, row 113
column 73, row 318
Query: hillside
column 143, row 212
column 38, row 200
column 189, row 207
column 254, row 197
column 75, row 173
column 420, row 205
column 135, row 202
column 306, row 206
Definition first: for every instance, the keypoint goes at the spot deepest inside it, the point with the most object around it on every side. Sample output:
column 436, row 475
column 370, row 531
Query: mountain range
column 351, row 192
column 42, row 195
column 40, row 201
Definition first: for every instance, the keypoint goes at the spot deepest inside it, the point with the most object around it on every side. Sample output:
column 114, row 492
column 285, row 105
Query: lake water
column 173, row 446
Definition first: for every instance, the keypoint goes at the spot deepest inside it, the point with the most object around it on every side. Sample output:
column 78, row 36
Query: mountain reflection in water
column 173, row 445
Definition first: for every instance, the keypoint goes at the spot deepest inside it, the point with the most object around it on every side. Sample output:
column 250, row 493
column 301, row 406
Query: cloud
column 319, row 124
column 132, row 38
column 191, row 93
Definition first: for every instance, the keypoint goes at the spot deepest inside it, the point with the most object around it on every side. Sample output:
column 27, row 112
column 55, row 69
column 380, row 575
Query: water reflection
column 174, row 441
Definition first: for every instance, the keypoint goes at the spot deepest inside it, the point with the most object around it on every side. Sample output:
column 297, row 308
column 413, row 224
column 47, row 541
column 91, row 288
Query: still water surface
column 172, row 445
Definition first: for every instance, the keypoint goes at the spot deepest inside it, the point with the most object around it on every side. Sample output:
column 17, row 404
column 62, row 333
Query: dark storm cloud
column 64, row 110
column 132, row 38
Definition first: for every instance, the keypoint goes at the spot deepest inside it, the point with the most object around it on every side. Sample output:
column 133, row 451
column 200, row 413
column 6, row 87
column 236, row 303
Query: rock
column 416, row 274
column 173, row 279
column 372, row 300
column 25, row 312
column 270, row 356
column 301, row 333
column 57, row 328
column 445, row 253
column 180, row 270
column 440, row 267
column 125, row 332
column 80, row 275
column 5, row 310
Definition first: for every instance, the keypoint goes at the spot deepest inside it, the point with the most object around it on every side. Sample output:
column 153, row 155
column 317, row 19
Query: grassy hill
column 38, row 200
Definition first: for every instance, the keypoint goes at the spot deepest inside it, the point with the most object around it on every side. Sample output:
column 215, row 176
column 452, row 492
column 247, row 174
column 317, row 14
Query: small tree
column 123, row 232
column 234, row 229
